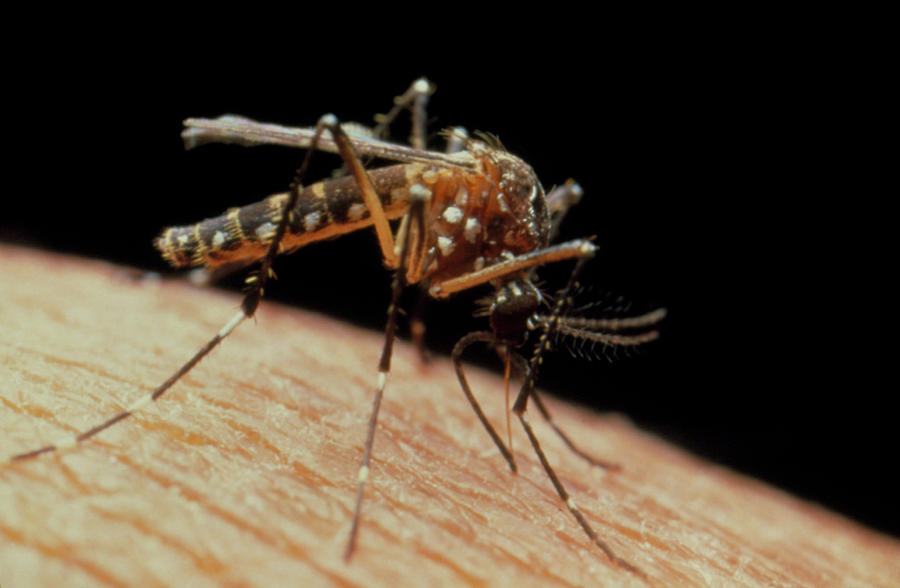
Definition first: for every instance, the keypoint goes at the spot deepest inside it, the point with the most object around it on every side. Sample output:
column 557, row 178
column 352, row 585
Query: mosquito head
column 513, row 305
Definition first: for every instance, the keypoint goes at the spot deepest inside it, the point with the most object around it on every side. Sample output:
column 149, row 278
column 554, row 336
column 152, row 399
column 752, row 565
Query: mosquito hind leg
column 256, row 284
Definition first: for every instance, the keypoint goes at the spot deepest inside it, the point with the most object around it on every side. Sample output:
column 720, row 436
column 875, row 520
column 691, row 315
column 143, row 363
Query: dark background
column 709, row 173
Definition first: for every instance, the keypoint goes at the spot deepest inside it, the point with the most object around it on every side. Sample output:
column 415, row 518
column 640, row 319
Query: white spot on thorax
column 452, row 214
column 446, row 245
column 501, row 202
column 472, row 229
column 462, row 196
column 429, row 176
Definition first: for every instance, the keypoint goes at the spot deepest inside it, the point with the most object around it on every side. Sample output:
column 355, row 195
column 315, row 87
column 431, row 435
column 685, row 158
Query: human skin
column 244, row 473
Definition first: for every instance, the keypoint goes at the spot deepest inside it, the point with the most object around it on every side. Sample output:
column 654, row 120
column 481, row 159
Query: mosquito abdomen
column 324, row 210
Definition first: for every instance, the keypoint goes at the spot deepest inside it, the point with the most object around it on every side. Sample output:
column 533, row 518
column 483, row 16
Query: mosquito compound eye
column 513, row 306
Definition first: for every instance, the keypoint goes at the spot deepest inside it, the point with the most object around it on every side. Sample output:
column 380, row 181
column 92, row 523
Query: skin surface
column 244, row 473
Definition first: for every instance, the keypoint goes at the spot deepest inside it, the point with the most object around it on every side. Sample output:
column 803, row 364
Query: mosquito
column 470, row 215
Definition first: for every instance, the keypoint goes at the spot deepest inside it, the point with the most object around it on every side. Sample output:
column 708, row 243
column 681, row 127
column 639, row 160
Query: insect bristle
column 491, row 140
column 607, row 327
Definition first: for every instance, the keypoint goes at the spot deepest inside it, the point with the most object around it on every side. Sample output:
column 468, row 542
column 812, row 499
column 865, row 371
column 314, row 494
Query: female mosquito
column 470, row 215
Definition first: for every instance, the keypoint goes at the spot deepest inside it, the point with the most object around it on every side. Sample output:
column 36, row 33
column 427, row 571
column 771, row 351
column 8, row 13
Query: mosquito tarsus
column 473, row 214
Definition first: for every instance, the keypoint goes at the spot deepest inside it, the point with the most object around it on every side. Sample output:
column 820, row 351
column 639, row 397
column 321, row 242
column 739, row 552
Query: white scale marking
column 501, row 202
column 265, row 231
column 356, row 212
column 472, row 229
column 140, row 403
column 235, row 321
column 66, row 442
column 446, row 245
column 462, row 196
column 311, row 221
column 453, row 214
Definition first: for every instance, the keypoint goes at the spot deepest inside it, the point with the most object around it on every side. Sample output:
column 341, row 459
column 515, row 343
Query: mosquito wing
column 230, row 128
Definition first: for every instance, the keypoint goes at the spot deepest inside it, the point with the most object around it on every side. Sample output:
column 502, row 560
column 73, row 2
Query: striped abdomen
column 326, row 209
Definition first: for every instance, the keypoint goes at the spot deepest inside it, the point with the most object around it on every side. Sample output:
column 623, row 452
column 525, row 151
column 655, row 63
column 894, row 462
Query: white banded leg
column 562, row 301
column 249, row 305
column 418, row 197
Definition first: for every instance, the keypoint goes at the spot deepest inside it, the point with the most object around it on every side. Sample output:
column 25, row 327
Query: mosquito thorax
column 513, row 305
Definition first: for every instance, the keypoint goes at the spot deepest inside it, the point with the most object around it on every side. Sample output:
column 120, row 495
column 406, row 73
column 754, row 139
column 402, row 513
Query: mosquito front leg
column 458, row 349
column 565, row 438
column 549, row 325
column 578, row 248
column 570, row 503
column 521, row 367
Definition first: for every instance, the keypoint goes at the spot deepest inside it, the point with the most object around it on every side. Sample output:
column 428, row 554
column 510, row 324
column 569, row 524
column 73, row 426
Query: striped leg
column 527, row 390
column 521, row 369
column 418, row 197
column 256, row 284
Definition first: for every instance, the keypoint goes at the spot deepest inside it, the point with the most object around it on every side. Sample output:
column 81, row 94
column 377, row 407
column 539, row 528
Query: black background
column 707, row 168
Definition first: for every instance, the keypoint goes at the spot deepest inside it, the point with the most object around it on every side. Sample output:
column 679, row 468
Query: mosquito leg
column 521, row 403
column 370, row 197
column 578, row 248
column 570, row 504
column 571, row 445
column 560, row 200
column 415, row 98
column 418, row 197
column 417, row 325
column 521, row 369
column 543, row 344
column 256, row 284
column 457, row 138
column 456, row 355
